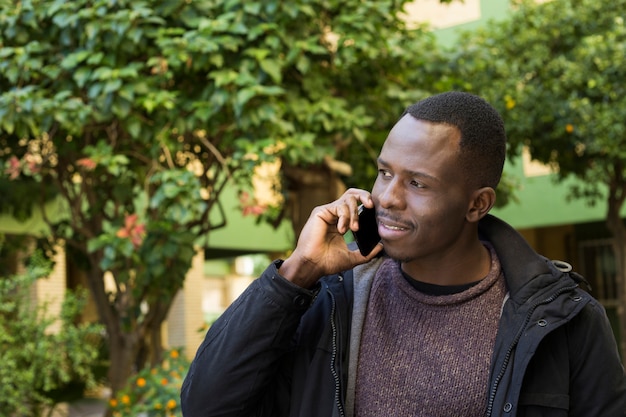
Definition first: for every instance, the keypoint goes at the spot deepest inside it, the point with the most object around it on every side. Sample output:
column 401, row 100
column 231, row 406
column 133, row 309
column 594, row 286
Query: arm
column 238, row 359
column 598, row 382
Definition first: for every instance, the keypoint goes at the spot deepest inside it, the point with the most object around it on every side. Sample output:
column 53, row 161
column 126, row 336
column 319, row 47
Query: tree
column 556, row 72
column 136, row 114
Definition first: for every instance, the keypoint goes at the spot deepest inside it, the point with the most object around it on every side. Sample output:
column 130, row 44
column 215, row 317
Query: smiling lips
column 388, row 229
column 391, row 226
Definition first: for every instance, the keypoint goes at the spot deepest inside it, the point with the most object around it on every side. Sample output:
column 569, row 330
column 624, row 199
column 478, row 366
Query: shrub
column 37, row 364
column 153, row 392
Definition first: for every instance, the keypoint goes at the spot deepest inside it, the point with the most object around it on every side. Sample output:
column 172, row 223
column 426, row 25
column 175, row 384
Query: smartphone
column 367, row 236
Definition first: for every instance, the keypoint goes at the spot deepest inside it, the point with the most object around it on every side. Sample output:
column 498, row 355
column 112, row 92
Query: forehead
column 419, row 144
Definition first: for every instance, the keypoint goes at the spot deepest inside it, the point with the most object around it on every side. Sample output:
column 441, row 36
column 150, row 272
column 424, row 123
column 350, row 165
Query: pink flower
column 132, row 230
column 14, row 168
column 244, row 197
column 249, row 206
column 253, row 210
column 87, row 163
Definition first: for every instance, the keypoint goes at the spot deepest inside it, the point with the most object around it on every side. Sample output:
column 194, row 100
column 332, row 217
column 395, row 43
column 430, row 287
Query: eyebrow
column 411, row 173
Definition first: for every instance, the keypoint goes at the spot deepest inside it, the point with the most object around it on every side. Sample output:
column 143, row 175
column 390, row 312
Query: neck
column 473, row 265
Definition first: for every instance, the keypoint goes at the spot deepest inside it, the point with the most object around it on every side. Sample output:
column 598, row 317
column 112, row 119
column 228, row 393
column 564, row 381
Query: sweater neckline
column 436, row 289
column 397, row 276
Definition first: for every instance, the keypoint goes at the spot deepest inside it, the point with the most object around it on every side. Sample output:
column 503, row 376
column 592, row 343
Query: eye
column 417, row 184
column 384, row 173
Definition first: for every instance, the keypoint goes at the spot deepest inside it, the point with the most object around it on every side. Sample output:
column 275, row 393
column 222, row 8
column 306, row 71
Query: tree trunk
column 124, row 349
column 131, row 344
column 308, row 188
column 618, row 230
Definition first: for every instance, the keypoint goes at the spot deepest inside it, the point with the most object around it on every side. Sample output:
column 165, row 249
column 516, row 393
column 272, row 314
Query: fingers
column 347, row 208
column 358, row 259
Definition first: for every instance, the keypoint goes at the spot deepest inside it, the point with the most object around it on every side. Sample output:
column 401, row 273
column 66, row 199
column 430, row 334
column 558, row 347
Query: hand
column 321, row 248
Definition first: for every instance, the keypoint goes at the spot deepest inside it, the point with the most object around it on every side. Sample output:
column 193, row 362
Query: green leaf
column 81, row 76
column 102, row 73
column 272, row 68
column 224, row 77
column 134, row 128
column 243, row 96
column 73, row 59
column 170, row 190
column 112, row 86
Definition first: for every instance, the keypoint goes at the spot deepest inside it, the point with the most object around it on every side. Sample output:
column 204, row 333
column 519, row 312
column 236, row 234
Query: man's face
column 420, row 194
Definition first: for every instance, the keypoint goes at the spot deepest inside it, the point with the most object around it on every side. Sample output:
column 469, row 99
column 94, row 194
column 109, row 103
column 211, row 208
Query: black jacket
column 280, row 350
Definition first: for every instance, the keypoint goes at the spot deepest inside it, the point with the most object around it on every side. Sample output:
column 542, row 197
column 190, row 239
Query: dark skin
column 427, row 211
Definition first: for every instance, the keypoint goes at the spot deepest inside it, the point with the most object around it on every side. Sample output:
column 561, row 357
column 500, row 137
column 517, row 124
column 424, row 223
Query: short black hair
column 483, row 137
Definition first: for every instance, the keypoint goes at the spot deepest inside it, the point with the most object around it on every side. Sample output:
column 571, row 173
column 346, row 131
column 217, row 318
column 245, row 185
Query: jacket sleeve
column 235, row 369
column 598, row 382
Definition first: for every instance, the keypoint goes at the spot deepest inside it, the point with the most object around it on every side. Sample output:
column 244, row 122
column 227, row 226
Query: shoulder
column 592, row 318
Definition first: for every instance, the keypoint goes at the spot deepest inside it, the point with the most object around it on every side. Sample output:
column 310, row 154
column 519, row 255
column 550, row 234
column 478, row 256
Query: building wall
column 185, row 318
column 203, row 298
column 442, row 15
column 557, row 243
column 50, row 291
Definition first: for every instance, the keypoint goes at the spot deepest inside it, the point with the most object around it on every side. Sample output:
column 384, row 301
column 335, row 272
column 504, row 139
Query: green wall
column 242, row 234
column 489, row 10
column 542, row 202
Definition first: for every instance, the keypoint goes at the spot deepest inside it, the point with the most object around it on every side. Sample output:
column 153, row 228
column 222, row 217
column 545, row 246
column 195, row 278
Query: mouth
column 390, row 229
column 391, row 226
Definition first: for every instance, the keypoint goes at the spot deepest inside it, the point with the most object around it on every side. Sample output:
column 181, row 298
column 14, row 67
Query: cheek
column 437, row 211
column 377, row 190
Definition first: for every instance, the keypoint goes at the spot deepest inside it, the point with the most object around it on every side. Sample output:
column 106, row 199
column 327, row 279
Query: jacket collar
column 522, row 266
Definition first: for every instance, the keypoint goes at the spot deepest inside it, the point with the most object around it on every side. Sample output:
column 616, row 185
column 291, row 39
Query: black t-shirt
column 434, row 289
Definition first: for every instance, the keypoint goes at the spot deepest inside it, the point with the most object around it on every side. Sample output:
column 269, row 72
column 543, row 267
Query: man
column 458, row 317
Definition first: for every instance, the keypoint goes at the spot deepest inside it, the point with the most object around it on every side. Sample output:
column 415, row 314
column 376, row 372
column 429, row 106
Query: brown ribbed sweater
column 427, row 356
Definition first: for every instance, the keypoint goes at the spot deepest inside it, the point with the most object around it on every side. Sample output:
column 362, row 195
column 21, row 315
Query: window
column 598, row 267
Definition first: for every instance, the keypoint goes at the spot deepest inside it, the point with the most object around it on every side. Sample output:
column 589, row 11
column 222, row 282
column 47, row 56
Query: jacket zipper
column 333, row 356
column 518, row 336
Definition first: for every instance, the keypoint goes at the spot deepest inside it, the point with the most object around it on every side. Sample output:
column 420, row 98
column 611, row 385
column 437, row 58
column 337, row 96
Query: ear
column 481, row 202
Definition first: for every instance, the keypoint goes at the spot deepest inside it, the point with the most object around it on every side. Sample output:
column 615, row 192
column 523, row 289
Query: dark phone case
column 367, row 236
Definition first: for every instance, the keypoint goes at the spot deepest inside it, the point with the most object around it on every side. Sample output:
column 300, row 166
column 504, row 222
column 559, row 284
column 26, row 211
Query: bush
column 37, row 364
column 153, row 392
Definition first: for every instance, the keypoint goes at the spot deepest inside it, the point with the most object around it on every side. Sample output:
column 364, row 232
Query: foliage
column 554, row 72
column 153, row 392
column 35, row 361
column 136, row 114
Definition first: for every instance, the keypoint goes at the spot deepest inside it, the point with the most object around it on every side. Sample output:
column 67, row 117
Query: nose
column 389, row 194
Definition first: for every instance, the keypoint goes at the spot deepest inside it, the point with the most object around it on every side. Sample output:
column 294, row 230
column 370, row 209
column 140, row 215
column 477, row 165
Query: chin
column 398, row 255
